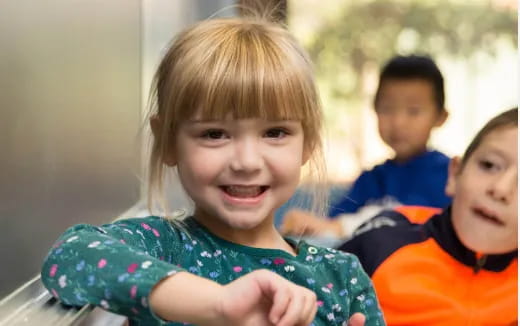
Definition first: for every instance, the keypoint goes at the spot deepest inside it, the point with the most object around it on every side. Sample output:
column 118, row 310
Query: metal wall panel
column 74, row 80
column 70, row 99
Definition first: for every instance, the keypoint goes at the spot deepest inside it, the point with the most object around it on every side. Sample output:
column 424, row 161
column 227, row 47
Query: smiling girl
column 237, row 114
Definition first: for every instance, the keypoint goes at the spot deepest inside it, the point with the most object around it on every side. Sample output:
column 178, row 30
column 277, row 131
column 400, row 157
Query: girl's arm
column 120, row 267
column 114, row 266
column 258, row 298
column 363, row 297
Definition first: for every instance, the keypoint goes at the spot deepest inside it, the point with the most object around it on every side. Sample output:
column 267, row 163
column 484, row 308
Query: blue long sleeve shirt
column 420, row 181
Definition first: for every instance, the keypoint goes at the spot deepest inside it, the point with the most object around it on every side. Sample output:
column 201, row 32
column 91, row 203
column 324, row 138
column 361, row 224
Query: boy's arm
column 114, row 266
column 363, row 189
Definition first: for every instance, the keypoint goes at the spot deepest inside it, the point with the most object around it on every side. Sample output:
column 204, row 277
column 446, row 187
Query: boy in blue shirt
column 409, row 104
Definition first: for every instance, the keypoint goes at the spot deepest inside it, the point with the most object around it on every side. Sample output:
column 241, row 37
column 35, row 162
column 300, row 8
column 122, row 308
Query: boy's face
column 407, row 113
column 239, row 171
column 484, row 190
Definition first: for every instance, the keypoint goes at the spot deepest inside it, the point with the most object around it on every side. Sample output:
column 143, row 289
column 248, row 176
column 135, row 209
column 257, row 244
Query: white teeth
column 243, row 191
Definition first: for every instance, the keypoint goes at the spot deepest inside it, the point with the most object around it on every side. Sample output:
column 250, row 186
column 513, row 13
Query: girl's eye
column 213, row 134
column 276, row 133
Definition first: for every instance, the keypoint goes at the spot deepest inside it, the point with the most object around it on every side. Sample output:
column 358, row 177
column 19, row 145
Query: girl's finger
column 281, row 301
column 309, row 310
column 294, row 309
column 357, row 319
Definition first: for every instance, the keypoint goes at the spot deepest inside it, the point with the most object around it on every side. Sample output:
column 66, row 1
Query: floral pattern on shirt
column 115, row 266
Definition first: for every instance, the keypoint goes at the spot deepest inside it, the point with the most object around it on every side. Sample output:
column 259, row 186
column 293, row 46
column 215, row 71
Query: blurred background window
column 473, row 42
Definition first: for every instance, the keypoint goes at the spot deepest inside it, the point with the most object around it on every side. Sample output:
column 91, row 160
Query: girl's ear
column 454, row 170
column 156, row 125
column 306, row 155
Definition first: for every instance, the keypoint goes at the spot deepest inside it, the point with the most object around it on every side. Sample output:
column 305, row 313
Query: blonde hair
column 243, row 67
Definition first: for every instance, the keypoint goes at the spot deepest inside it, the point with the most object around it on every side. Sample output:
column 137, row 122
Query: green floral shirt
column 115, row 266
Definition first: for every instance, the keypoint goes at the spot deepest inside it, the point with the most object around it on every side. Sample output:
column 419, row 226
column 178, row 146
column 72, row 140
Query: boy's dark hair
column 504, row 119
column 414, row 67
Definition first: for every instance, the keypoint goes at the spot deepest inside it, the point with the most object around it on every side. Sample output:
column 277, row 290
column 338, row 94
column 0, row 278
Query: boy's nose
column 246, row 156
column 505, row 186
column 400, row 120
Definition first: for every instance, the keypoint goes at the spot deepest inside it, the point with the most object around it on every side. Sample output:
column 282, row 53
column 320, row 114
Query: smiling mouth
column 239, row 191
column 488, row 216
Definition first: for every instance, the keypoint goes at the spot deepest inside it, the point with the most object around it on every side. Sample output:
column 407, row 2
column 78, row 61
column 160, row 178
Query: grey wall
column 70, row 94
column 74, row 76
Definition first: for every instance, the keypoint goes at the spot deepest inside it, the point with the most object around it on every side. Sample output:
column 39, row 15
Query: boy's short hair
column 414, row 67
column 504, row 119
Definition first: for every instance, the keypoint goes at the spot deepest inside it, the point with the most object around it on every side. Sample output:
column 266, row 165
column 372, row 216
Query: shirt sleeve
column 362, row 190
column 114, row 266
column 363, row 296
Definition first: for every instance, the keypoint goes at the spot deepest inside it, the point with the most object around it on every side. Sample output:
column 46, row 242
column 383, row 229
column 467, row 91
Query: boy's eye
column 276, row 133
column 488, row 165
column 414, row 111
column 214, row 134
column 383, row 110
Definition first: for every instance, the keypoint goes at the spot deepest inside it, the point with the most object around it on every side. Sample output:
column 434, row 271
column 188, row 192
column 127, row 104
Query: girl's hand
column 260, row 298
column 264, row 298
column 357, row 319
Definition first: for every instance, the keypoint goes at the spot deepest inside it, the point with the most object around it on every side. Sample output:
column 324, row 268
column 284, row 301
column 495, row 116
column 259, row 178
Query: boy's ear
column 443, row 116
column 454, row 170
column 155, row 125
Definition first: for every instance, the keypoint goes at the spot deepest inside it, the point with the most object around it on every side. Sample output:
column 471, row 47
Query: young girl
column 237, row 114
column 459, row 267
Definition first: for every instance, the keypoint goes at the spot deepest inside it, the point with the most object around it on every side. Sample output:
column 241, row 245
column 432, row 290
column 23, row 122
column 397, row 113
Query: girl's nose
column 247, row 156
column 505, row 186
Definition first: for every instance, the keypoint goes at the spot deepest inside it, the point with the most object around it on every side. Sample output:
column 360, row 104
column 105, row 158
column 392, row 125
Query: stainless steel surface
column 31, row 304
column 70, row 94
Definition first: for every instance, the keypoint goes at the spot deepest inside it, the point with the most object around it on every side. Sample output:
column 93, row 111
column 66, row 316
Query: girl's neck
column 263, row 235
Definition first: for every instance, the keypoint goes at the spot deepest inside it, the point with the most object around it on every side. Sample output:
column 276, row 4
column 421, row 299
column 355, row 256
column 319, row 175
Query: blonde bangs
column 249, row 75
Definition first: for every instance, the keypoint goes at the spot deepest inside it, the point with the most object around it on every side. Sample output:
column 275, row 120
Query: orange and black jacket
column 424, row 275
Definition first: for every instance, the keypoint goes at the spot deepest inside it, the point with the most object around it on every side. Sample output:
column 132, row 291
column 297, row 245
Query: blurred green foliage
column 367, row 33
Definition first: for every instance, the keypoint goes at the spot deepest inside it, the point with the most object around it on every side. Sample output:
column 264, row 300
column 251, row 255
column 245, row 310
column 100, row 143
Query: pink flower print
column 133, row 291
column 330, row 285
column 156, row 233
column 54, row 293
column 237, row 269
column 319, row 303
column 132, row 267
column 122, row 241
column 146, row 226
column 279, row 261
column 53, row 270
column 102, row 263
